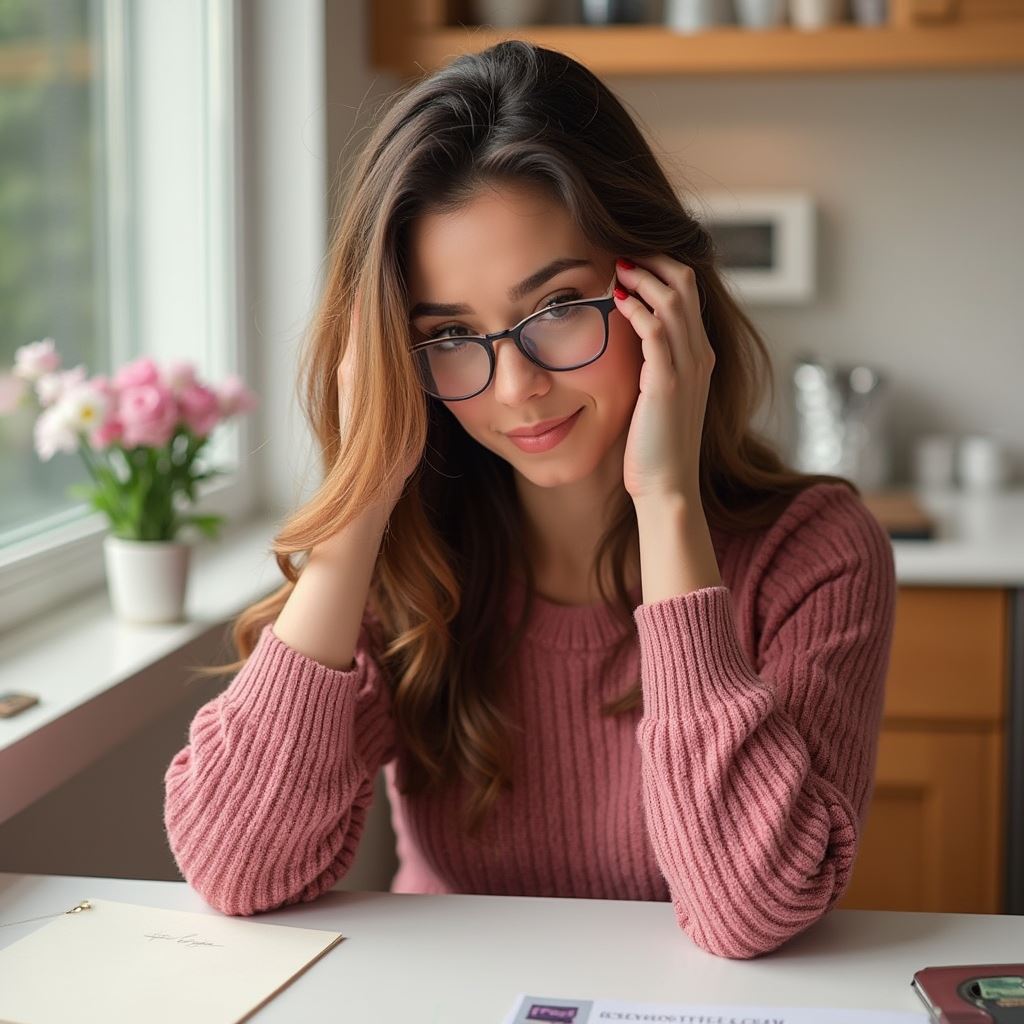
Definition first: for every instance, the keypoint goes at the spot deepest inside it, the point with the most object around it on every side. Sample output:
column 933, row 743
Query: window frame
column 65, row 561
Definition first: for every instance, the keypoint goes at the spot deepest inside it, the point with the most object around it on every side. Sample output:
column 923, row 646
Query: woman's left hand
column 662, row 456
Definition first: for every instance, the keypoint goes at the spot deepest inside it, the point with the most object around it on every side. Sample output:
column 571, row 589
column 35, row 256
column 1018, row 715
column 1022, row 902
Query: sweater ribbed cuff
column 288, row 692
column 693, row 656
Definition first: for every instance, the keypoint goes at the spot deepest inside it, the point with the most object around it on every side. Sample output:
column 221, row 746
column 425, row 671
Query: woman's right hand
column 347, row 371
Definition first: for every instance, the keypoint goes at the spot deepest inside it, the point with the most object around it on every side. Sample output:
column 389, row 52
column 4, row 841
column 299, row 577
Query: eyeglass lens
column 563, row 338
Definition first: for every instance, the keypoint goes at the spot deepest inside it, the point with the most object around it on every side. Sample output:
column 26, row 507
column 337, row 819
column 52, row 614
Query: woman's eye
column 440, row 332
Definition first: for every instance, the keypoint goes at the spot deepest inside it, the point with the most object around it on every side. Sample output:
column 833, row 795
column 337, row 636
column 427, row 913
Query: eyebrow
column 515, row 294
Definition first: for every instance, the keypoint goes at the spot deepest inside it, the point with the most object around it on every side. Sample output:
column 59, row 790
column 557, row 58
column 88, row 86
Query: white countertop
column 979, row 542
column 461, row 959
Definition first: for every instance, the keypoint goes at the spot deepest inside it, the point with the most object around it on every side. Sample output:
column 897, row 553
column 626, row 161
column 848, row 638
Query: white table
column 462, row 959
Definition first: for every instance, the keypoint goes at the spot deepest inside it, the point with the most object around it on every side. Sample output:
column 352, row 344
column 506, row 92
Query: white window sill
column 95, row 676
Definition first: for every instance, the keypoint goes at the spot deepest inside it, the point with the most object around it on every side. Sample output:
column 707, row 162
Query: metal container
column 614, row 12
column 841, row 422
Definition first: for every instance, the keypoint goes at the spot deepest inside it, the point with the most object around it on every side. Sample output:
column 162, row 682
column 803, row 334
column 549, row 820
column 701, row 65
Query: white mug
column 982, row 463
column 693, row 15
column 810, row 15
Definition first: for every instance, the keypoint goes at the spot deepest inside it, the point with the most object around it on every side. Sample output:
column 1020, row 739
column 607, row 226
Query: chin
column 566, row 464
column 550, row 476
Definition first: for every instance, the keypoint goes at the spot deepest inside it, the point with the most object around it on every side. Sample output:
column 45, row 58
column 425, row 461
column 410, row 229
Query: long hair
column 515, row 113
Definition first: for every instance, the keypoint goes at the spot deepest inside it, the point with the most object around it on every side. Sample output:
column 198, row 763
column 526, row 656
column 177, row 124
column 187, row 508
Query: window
column 119, row 200
column 52, row 231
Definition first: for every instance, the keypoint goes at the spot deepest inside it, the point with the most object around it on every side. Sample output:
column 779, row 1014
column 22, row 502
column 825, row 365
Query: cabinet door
column 948, row 661
column 933, row 840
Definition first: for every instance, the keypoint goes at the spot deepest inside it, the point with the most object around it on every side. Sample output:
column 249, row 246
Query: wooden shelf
column 407, row 43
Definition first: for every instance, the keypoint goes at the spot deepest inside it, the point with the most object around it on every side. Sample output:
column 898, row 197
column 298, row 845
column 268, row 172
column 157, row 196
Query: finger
column 668, row 306
column 684, row 279
column 656, row 346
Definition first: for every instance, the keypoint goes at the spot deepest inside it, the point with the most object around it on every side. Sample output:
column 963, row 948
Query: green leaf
column 208, row 524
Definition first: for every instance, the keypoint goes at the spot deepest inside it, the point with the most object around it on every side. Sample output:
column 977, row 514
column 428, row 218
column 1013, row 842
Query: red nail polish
column 625, row 264
column 620, row 292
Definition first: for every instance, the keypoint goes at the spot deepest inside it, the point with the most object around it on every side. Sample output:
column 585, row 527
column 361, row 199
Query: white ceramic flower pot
column 811, row 15
column 147, row 579
column 760, row 14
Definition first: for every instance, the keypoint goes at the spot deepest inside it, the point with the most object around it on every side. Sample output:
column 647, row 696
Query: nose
column 516, row 378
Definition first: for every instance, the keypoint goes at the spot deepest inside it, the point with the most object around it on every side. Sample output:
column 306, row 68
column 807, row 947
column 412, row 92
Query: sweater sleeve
column 756, row 778
column 266, row 804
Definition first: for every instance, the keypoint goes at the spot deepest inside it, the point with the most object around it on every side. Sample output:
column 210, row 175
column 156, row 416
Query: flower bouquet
column 140, row 434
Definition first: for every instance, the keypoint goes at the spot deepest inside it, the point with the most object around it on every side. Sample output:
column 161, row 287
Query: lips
column 539, row 428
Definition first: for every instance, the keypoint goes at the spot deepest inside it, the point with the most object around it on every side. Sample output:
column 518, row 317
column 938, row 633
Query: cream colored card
column 121, row 963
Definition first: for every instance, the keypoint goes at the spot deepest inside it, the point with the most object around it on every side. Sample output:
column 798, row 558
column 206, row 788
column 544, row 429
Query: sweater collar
column 570, row 627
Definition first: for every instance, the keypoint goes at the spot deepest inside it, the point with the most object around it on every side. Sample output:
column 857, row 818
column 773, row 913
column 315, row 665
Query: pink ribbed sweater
column 738, row 790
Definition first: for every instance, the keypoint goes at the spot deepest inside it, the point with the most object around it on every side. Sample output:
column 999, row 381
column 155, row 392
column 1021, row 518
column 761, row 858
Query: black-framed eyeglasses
column 562, row 336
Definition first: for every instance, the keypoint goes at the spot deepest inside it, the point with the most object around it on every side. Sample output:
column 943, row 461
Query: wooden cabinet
column 409, row 37
column 935, row 833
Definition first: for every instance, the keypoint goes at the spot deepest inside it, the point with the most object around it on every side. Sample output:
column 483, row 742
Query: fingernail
column 624, row 263
column 620, row 293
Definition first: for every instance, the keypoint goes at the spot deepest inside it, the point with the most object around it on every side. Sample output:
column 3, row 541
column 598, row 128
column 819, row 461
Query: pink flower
column 51, row 387
column 33, row 360
column 140, row 371
column 106, row 433
column 180, row 375
column 12, row 390
column 235, row 396
column 200, row 408
column 102, row 384
column 148, row 413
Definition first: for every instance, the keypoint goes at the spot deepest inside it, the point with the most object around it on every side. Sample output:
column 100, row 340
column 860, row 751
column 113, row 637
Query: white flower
column 53, row 433
column 52, row 387
column 84, row 407
column 35, row 359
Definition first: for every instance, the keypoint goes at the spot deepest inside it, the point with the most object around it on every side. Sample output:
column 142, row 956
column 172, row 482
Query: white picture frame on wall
column 766, row 242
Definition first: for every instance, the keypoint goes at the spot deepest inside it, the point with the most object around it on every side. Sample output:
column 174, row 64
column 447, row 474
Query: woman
column 636, row 658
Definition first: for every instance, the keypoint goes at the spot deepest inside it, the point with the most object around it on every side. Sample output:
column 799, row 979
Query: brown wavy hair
column 521, row 114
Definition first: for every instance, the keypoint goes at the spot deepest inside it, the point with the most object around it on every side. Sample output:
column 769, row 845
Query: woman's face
column 473, row 258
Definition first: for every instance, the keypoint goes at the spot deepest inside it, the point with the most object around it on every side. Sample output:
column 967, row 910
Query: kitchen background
column 917, row 180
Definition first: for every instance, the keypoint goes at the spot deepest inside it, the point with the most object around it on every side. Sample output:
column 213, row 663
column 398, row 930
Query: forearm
column 755, row 842
column 677, row 556
column 324, row 612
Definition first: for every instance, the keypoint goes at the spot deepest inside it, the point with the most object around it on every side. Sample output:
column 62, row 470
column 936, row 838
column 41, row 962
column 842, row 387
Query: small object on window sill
column 11, row 703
